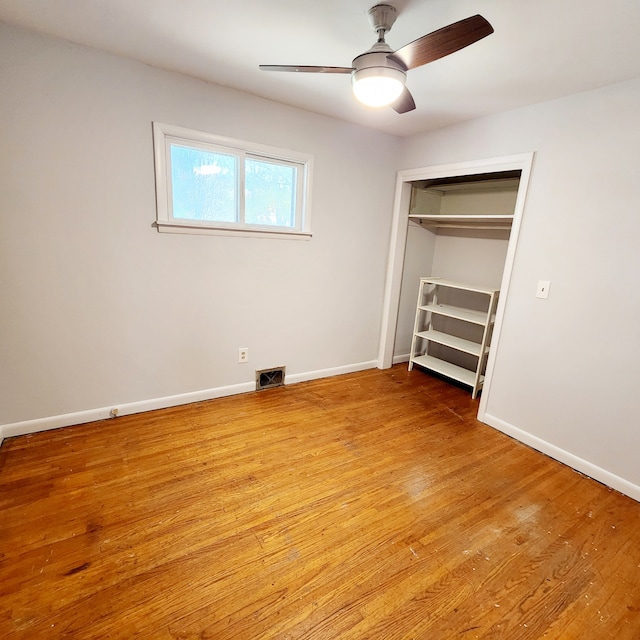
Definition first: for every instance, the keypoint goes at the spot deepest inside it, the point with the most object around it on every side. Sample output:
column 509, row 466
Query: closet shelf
column 462, row 221
column 465, row 202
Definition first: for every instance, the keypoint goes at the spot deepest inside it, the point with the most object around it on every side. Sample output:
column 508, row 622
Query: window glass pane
column 270, row 193
column 203, row 184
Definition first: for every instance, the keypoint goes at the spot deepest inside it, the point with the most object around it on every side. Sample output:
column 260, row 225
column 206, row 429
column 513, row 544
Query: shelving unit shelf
column 425, row 335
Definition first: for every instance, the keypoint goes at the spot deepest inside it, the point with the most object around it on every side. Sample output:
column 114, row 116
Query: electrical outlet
column 243, row 355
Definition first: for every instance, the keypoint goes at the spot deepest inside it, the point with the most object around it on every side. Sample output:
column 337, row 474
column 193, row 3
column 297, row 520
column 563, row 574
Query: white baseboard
column 91, row 415
column 327, row 373
column 401, row 358
column 571, row 460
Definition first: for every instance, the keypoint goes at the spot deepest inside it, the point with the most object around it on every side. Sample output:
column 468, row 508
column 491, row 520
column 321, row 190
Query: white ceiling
column 541, row 49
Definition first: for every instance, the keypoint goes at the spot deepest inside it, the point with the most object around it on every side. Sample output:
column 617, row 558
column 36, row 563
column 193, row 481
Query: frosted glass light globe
column 378, row 86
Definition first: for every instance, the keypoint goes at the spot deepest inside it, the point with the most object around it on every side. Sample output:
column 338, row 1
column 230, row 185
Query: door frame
column 398, row 241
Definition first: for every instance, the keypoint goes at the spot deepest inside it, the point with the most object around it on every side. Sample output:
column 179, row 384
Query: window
column 210, row 184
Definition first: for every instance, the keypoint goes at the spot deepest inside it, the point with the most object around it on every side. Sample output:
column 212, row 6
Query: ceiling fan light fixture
column 378, row 86
column 378, row 75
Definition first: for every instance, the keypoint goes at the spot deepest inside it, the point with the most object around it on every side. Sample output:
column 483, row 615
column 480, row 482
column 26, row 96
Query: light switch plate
column 543, row 289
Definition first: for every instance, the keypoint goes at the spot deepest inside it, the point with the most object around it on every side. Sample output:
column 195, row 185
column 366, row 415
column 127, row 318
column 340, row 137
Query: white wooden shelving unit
column 429, row 309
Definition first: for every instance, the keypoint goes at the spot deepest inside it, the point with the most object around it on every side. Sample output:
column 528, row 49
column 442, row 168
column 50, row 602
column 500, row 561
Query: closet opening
column 453, row 246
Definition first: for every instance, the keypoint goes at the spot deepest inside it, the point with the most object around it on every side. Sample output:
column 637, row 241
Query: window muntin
column 209, row 184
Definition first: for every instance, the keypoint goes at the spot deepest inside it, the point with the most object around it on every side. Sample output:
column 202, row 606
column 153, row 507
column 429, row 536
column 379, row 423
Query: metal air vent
column 269, row 378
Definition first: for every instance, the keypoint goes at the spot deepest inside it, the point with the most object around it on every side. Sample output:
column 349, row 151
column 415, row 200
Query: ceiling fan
column 378, row 75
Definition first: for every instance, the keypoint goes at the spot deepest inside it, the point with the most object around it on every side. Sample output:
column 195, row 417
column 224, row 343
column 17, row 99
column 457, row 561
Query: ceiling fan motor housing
column 380, row 56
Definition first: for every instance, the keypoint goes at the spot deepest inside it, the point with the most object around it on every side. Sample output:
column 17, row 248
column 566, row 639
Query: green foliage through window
column 270, row 193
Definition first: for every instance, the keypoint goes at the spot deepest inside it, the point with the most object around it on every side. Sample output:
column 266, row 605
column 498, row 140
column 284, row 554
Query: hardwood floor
column 371, row 505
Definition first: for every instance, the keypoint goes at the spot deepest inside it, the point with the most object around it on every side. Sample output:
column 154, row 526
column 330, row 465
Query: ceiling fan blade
column 444, row 41
column 303, row 69
column 404, row 103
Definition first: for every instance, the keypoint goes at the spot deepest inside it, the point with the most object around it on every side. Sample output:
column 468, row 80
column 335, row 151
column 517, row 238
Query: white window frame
column 165, row 134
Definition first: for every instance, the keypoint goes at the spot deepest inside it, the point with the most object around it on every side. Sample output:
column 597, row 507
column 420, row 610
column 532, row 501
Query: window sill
column 194, row 228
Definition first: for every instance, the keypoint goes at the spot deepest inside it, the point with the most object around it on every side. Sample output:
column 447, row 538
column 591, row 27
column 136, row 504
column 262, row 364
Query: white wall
column 475, row 258
column 98, row 308
column 567, row 374
column 418, row 261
